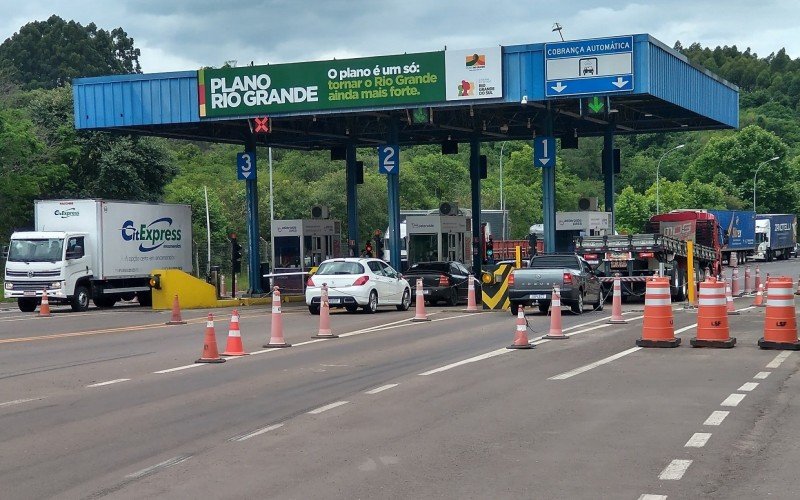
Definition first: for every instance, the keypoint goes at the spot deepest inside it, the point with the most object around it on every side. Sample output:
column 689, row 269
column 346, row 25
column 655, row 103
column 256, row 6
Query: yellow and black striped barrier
column 494, row 286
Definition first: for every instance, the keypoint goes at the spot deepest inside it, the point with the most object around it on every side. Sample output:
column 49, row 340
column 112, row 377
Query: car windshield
column 38, row 250
column 441, row 267
column 340, row 267
column 554, row 261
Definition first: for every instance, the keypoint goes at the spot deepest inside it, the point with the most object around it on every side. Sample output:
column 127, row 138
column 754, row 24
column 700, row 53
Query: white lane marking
column 253, row 434
column 18, row 402
column 327, row 407
column 267, row 350
column 100, row 384
column 570, row 334
column 698, row 440
column 480, row 357
column 675, row 470
column 745, row 308
column 179, row 368
column 748, row 386
column 586, row 368
column 647, row 496
column 381, row 389
column 163, row 465
column 780, row 358
column 733, row 400
column 685, row 328
column 716, row 417
column 761, row 375
column 404, row 323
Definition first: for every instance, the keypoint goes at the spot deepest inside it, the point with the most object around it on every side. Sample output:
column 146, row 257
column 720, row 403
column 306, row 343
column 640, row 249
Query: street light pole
column 502, row 199
column 658, row 168
column 756, row 175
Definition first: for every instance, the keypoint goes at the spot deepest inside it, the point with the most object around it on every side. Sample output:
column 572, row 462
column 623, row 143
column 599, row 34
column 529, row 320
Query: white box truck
column 96, row 250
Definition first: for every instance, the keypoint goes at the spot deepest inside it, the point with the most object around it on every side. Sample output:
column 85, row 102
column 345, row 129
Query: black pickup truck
column 578, row 283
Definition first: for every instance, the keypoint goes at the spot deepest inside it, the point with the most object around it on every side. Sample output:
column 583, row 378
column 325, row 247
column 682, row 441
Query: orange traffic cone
column 420, row 304
column 712, row 320
column 210, row 353
column 521, row 335
column 758, row 277
column 759, row 300
column 658, row 329
column 616, row 306
column 748, row 281
column 176, row 313
column 234, row 345
column 324, row 331
column 556, row 332
column 797, row 292
column 472, row 306
column 276, row 327
column 44, row 308
column 730, row 309
column 735, row 288
column 780, row 323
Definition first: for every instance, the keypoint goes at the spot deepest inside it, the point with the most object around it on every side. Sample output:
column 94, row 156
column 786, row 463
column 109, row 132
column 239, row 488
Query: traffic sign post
column 544, row 152
column 246, row 166
column 389, row 159
column 597, row 66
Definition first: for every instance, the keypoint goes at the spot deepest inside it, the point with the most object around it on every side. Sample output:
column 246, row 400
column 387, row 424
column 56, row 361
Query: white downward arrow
column 558, row 88
column 620, row 82
column 544, row 160
column 246, row 175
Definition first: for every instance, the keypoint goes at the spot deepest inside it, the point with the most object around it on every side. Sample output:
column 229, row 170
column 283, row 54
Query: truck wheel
column 544, row 307
column 514, row 309
column 769, row 256
column 104, row 302
column 577, row 307
column 145, row 298
column 80, row 299
column 27, row 305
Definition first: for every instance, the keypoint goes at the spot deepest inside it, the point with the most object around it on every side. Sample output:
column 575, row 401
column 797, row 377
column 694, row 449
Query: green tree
column 632, row 211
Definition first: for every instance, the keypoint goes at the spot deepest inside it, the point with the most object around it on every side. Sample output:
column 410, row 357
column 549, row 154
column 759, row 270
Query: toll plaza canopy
column 601, row 87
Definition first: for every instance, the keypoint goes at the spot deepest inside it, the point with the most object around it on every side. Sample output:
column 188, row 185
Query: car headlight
column 56, row 285
column 8, row 285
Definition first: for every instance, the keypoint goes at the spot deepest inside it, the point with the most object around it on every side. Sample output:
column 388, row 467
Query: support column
column 352, row 202
column 549, row 194
column 475, row 184
column 393, row 185
column 608, row 174
column 253, row 254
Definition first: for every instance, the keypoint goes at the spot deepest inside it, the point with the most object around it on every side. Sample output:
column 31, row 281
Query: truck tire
column 104, row 302
column 769, row 255
column 145, row 298
column 80, row 299
column 27, row 305
column 577, row 306
column 514, row 308
column 544, row 307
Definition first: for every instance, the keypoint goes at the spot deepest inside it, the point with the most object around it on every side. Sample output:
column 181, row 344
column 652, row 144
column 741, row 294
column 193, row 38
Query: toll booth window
column 287, row 251
column 423, row 248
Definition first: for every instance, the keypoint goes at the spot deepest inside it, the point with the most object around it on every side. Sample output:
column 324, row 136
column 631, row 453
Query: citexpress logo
column 70, row 212
column 152, row 235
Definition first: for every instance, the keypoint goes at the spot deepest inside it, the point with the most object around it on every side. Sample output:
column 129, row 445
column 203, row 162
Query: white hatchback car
column 355, row 282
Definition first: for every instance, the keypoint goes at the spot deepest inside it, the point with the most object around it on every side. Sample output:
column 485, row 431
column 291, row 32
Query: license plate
column 334, row 301
column 539, row 296
column 29, row 293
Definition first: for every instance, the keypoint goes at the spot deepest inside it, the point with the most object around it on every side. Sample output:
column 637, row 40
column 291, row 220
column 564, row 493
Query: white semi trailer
column 96, row 250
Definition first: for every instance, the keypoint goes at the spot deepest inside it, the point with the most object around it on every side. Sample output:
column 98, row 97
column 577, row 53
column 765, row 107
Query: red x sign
column 261, row 125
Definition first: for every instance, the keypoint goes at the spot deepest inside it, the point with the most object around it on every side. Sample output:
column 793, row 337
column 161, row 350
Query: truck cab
column 54, row 261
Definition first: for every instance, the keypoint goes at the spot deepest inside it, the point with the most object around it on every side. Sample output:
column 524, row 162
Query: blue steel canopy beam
column 352, row 201
column 253, row 254
column 475, row 184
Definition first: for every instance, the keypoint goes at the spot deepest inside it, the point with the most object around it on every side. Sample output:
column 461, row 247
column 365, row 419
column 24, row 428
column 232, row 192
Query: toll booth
column 569, row 225
column 301, row 244
column 439, row 237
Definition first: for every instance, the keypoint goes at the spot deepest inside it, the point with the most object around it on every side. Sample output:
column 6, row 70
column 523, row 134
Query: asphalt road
column 109, row 404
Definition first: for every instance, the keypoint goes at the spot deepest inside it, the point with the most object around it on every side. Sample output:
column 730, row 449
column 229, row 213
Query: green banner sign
column 323, row 85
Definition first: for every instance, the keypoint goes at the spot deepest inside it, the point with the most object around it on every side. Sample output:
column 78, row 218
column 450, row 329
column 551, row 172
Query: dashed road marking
column 327, row 407
column 18, row 402
column 163, row 465
column 761, row 375
column 381, row 388
column 685, row 328
column 647, row 496
column 675, row 470
column 480, row 357
column 733, row 400
column 748, row 386
column 253, row 434
column 179, row 368
column 780, row 358
column 716, row 417
column 586, row 368
column 698, row 440
column 100, row 384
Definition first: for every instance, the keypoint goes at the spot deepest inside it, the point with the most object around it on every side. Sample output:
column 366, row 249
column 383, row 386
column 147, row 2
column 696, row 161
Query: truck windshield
column 554, row 261
column 39, row 250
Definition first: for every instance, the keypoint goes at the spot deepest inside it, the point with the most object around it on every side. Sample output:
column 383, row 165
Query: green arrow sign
column 596, row 104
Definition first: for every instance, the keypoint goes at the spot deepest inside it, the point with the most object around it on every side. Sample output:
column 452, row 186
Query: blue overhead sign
column 544, row 152
column 389, row 159
column 598, row 66
column 246, row 166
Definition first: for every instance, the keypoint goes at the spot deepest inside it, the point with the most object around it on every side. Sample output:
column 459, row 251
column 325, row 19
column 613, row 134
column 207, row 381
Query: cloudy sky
column 176, row 35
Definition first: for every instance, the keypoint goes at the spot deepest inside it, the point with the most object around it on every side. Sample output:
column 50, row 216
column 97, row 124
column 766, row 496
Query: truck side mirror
column 5, row 251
